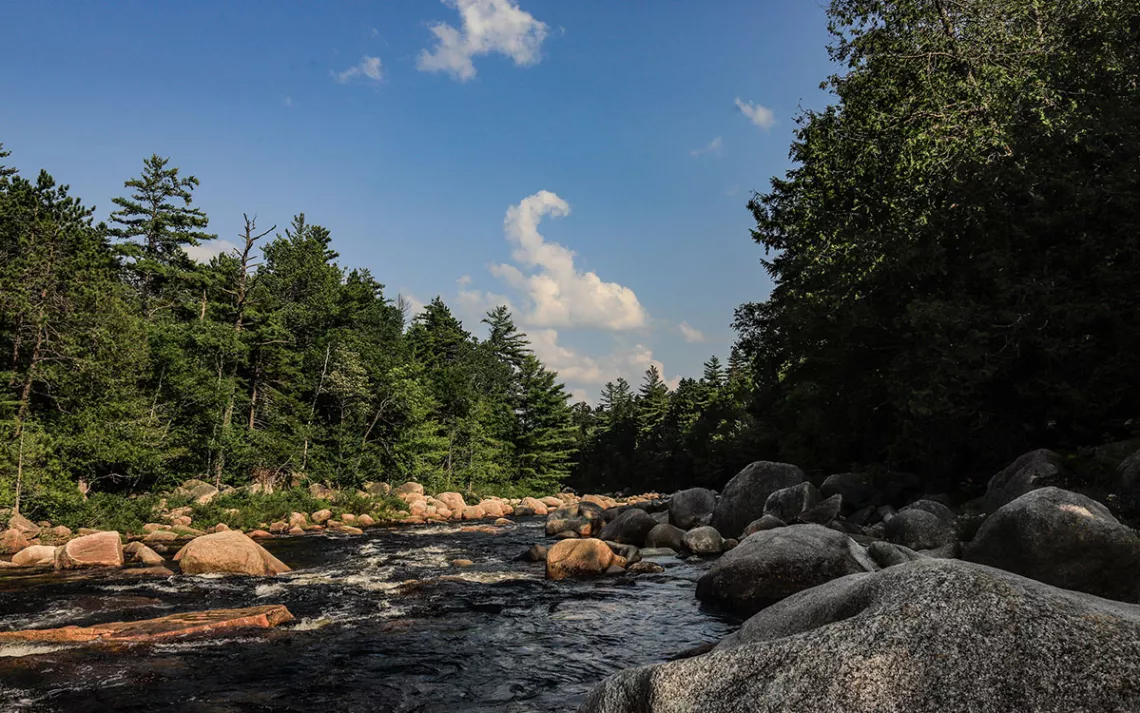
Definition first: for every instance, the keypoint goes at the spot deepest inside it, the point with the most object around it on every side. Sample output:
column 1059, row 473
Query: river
column 383, row 623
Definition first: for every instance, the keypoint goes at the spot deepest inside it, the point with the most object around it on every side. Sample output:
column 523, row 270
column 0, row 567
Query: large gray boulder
column 932, row 636
column 788, row 503
column 1033, row 470
column 920, row 530
column 687, row 507
column 770, row 565
column 746, row 494
column 629, row 528
column 1064, row 539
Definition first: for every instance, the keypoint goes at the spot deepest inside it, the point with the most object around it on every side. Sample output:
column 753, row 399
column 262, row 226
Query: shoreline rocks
column 926, row 637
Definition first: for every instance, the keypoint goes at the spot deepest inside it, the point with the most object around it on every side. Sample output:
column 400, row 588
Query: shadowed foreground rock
column 1064, row 539
column 199, row 622
column 932, row 636
column 770, row 565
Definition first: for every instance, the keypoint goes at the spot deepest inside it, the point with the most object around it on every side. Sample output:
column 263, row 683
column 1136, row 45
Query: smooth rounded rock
column 688, row 506
column 228, row 552
column 665, row 535
column 705, row 540
column 920, row 530
column 1064, row 539
column 771, row 565
column 932, row 636
column 580, row 558
column 746, row 494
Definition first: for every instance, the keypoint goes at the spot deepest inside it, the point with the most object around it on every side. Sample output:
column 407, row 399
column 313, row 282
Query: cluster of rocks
column 451, row 506
column 866, row 594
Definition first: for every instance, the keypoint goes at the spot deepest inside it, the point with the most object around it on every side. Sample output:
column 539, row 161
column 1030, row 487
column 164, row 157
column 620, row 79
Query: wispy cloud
column 369, row 69
column 204, row 252
column 691, row 334
column 287, row 101
column 758, row 114
column 557, row 293
column 488, row 26
column 714, row 147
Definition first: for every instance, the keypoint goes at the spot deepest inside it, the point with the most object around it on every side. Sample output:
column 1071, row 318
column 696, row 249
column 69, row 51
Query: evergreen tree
column 544, row 445
column 156, row 224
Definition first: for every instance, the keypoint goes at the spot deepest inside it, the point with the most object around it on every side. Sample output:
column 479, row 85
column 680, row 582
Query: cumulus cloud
column 556, row 292
column 488, row 26
column 369, row 69
column 415, row 304
column 204, row 252
column 714, row 147
column 587, row 374
column 758, row 114
column 691, row 334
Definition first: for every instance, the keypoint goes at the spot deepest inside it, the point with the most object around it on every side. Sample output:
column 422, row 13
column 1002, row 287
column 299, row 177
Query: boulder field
column 857, row 600
column 929, row 636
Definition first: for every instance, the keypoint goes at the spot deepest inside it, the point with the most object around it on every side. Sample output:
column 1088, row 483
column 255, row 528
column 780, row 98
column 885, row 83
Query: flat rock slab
column 198, row 622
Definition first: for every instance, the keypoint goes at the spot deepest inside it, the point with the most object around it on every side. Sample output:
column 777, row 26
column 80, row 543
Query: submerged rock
column 200, row 622
column 746, row 494
column 771, row 565
column 934, row 636
column 228, row 552
column 1064, row 539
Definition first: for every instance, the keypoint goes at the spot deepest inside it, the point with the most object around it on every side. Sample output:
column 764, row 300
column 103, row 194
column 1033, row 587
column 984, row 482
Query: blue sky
column 587, row 162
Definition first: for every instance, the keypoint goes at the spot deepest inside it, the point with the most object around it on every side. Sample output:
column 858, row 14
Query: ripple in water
column 383, row 623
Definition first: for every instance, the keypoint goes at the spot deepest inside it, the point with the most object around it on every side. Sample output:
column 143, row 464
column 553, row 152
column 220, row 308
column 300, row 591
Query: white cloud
column 489, row 26
column 369, row 68
column 758, row 114
column 714, row 147
column 288, row 101
column 581, row 370
column 691, row 334
column 204, row 252
column 556, row 293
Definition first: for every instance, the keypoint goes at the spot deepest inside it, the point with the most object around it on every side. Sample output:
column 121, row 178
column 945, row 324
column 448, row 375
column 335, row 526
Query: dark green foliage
column 955, row 250
column 131, row 368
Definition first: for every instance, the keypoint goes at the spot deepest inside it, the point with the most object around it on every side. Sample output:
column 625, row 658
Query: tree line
column 131, row 367
column 128, row 365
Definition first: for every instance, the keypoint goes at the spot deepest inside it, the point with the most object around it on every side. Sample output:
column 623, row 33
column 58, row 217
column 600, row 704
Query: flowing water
column 383, row 623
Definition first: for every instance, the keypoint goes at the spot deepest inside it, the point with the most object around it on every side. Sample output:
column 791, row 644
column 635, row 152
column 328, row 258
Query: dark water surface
column 493, row 637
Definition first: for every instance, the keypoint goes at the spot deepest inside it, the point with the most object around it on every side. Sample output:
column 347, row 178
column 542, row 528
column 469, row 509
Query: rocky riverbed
column 383, row 622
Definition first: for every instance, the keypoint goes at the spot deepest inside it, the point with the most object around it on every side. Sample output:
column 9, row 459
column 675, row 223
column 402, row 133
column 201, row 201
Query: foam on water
column 30, row 649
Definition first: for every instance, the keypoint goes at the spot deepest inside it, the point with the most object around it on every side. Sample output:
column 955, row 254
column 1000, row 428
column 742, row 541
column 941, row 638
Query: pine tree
column 544, row 445
column 156, row 224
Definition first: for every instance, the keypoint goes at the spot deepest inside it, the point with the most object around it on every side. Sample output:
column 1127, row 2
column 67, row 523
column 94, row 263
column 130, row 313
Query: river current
column 383, row 623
